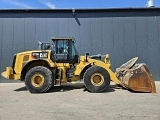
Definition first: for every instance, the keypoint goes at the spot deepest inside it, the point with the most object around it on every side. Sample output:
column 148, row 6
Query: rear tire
column 96, row 79
column 39, row 79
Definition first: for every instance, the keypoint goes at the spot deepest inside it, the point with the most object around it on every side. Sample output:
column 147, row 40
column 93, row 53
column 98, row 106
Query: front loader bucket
column 137, row 78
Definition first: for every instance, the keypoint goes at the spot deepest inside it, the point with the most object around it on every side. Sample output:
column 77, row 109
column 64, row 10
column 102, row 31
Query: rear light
column 35, row 55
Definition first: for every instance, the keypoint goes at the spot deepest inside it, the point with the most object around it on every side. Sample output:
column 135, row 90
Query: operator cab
column 64, row 50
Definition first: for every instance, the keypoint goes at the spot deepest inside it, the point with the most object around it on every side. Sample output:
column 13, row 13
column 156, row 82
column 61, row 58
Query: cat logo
column 43, row 55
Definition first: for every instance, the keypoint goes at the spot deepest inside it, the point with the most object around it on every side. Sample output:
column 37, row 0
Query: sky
column 66, row 4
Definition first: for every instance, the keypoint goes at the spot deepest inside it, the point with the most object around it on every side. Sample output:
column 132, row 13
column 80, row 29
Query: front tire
column 39, row 79
column 96, row 79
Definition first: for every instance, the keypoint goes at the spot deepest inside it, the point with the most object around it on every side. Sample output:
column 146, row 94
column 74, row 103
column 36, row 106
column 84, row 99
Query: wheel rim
column 37, row 80
column 97, row 79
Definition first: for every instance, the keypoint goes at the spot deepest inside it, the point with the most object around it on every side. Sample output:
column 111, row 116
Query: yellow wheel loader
column 59, row 62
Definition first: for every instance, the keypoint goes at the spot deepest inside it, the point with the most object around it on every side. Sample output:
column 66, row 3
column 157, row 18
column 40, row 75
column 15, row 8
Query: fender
column 31, row 64
column 84, row 70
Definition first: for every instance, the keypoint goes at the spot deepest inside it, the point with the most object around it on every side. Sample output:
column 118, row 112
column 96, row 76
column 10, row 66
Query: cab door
column 61, row 50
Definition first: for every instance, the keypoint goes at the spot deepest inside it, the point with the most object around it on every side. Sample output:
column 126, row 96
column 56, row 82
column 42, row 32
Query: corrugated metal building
column 123, row 33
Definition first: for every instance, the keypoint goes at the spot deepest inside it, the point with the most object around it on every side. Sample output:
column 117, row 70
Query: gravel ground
column 72, row 102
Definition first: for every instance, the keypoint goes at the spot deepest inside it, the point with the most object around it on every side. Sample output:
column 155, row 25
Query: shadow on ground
column 21, row 89
column 69, row 87
column 66, row 88
column 122, row 88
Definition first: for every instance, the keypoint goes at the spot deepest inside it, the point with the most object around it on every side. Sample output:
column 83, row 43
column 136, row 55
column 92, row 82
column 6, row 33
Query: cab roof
column 62, row 38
